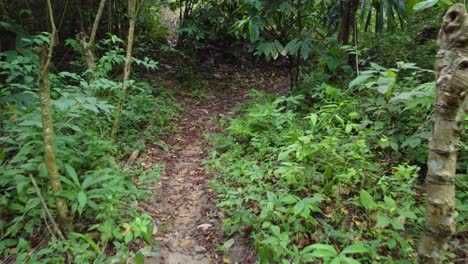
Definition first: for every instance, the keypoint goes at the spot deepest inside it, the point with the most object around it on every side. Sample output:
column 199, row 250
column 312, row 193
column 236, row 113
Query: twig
column 133, row 157
column 47, row 225
column 46, row 208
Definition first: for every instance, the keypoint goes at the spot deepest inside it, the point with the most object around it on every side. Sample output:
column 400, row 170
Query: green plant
column 139, row 228
column 101, row 192
column 308, row 185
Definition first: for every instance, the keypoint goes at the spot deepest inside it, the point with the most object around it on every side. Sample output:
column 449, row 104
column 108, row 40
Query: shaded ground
column 189, row 222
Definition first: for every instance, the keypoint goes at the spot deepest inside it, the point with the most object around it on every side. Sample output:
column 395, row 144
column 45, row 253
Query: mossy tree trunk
column 449, row 110
column 48, row 126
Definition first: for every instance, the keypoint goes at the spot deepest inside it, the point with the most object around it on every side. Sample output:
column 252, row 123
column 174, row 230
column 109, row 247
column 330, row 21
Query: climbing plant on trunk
column 48, row 126
column 449, row 110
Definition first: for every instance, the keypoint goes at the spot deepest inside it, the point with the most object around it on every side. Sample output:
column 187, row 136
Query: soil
column 190, row 226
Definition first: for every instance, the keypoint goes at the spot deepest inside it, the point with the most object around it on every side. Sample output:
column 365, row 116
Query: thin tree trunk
column 109, row 16
column 88, row 45
column 449, row 110
column 48, row 126
column 298, row 56
column 127, row 65
column 181, row 16
column 355, row 40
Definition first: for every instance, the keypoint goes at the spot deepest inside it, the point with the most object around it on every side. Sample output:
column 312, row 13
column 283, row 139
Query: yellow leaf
column 127, row 231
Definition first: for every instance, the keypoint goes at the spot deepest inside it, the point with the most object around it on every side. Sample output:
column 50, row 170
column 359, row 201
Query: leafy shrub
column 316, row 185
column 101, row 193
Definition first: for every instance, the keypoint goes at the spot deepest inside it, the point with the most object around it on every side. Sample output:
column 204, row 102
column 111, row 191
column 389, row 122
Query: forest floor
column 190, row 226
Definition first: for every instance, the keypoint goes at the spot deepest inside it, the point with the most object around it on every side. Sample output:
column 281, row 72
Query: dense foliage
column 333, row 181
column 101, row 192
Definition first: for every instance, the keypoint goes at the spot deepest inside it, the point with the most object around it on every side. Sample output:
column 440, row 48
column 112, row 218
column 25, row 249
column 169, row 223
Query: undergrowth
column 337, row 181
column 103, row 194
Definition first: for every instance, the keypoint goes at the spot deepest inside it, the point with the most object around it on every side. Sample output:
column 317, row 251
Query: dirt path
column 189, row 222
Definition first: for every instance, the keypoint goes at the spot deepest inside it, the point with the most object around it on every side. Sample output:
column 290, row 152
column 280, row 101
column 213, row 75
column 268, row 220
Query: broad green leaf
column 82, row 199
column 275, row 230
column 354, row 249
column 91, row 107
column 313, row 119
column 359, row 80
column 274, row 52
column 67, row 194
column 408, row 214
column 425, row 4
column 139, row 258
column 348, row 260
column 289, row 199
column 323, row 253
column 322, row 247
column 348, row 128
column 88, row 240
column 383, row 221
column 292, row 47
column 391, row 243
column 266, row 254
column 271, row 196
column 128, row 237
column 336, row 260
column 312, row 200
column 283, row 155
column 305, row 50
column 366, row 200
column 390, row 202
column 266, row 225
column 279, row 47
column 299, row 207
column 385, row 84
column 91, row 180
column 253, row 31
column 147, row 233
column 397, row 224
column 72, row 173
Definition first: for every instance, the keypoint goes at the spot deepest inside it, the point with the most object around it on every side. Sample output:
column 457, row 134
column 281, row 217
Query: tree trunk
column 88, row 46
column 48, row 127
column 449, row 110
column 348, row 15
column 127, row 65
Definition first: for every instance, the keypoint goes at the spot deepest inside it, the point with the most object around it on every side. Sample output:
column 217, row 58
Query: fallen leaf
column 127, row 231
column 184, row 242
column 228, row 244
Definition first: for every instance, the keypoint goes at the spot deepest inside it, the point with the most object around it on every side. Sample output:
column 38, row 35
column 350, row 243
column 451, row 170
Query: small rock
column 199, row 249
column 204, row 227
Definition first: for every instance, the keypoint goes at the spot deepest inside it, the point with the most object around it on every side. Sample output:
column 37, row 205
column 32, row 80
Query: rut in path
column 189, row 222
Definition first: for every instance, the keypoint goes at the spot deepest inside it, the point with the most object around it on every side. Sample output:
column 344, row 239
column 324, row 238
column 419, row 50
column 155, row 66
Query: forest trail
column 189, row 223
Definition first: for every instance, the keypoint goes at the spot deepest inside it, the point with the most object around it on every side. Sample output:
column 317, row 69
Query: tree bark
column 449, row 110
column 88, row 45
column 48, row 126
column 348, row 15
column 127, row 65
